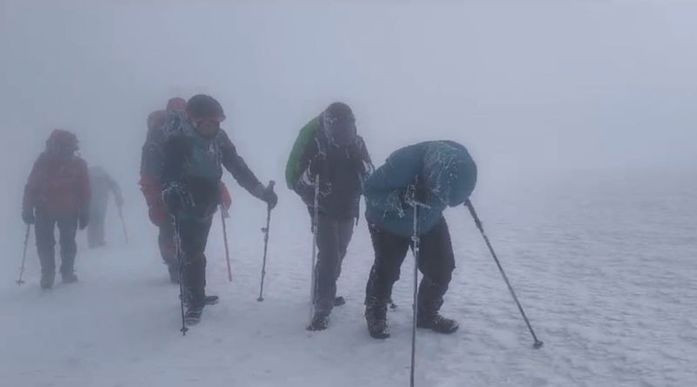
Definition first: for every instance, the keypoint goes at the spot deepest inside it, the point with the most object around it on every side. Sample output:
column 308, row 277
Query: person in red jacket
column 152, row 159
column 57, row 194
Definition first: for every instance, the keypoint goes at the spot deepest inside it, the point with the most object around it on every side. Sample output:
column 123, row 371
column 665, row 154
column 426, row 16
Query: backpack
column 305, row 137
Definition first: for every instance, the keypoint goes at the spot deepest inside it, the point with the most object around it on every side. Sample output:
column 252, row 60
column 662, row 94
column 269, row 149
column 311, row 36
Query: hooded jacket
column 437, row 174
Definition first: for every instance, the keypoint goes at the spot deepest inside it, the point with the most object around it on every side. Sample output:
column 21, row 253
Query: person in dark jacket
column 436, row 175
column 101, row 184
column 151, row 170
column 57, row 193
column 338, row 157
column 195, row 152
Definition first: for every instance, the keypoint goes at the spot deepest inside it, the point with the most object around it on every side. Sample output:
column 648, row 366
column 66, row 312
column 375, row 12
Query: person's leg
column 168, row 251
column 45, row 247
column 345, row 233
column 67, row 227
column 390, row 251
column 92, row 239
column 194, row 235
column 327, row 262
column 101, row 219
column 437, row 263
column 95, row 227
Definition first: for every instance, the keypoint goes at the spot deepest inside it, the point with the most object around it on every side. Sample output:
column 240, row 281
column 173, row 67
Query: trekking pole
column 123, row 225
column 417, row 249
column 416, row 241
column 538, row 343
column 315, row 217
column 180, row 259
column 223, row 213
column 20, row 281
column 265, row 230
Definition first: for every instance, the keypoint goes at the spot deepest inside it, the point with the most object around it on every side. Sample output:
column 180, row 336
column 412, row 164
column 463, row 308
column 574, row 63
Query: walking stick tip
column 260, row 299
column 538, row 344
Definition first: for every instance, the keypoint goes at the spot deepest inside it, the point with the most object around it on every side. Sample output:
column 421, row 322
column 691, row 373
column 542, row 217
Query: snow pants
column 436, row 263
column 165, row 241
column 44, row 230
column 193, row 234
column 333, row 238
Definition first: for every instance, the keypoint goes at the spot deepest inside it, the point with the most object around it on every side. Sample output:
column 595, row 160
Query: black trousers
column 333, row 238
column 436, row 263
column 44, row 230
column 193, row 234
column 165, row 241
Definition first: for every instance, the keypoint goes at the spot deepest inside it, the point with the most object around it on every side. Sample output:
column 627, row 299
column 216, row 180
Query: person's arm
column 366, row 163
column 174, row 151
column 399, row 171
column 309, row 164
column 31, row 193
column 236, row 165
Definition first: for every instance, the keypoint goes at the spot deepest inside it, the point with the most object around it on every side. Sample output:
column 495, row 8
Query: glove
column 28, row 216
column 225, row 199
column 270, row 197
column 267, row 194
column 176, row 198
column 83, row 219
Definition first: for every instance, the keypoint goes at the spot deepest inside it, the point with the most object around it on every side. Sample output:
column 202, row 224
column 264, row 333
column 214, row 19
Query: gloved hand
column 83, row 219
column 267, row 194
column 270, row 196
column 176, row 198
column 28, row 215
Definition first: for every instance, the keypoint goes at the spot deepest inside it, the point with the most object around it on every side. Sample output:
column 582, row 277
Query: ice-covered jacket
column 437, row 174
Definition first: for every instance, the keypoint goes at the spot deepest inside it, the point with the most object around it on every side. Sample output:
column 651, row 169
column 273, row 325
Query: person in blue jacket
column 437, row 175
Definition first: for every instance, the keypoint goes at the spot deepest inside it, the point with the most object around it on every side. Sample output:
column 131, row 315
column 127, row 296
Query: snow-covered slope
column 604, row 266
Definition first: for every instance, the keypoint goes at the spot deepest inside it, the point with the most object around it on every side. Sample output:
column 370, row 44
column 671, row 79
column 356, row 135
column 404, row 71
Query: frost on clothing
column 161, row 126
column 196, row 163
column 341, row 169
column 436, row 173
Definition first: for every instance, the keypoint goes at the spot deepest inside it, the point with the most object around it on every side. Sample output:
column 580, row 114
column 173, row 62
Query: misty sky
column 526, row 85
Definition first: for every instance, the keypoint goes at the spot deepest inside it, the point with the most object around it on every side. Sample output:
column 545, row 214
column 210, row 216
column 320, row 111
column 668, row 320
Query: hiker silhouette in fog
column 101, row 184
column 57, row 193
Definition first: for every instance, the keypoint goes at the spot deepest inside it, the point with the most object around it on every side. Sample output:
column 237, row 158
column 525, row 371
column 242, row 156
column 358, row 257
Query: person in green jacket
column 329, row 149
column 437, row 175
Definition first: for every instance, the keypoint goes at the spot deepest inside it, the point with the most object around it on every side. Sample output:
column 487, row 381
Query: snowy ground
column 604, row 266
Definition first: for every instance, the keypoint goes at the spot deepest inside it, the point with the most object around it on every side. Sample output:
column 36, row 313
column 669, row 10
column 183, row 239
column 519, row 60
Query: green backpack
column 306, row 135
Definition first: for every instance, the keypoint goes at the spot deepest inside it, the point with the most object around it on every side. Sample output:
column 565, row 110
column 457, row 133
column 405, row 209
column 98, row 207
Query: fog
column 535, row 89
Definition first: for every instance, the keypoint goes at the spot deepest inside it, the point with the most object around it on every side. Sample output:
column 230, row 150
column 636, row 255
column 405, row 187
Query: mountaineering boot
column 437, row 323
column 320, row 322
column 47, row 280
column 69, row 277
column 376, row 318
